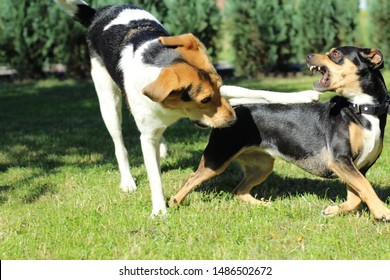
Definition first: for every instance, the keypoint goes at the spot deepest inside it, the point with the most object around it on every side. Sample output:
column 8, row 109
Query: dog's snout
column 309, row 56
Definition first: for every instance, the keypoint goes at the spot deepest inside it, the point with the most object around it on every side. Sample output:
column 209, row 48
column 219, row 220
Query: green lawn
column 60, row 196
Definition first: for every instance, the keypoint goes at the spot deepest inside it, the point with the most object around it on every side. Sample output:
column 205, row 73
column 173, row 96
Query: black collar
column 369, row 109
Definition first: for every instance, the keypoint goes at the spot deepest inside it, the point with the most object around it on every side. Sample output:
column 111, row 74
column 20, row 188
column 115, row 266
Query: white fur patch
column 130, row 15
column 372, row 137
column 371, row 143
column 134, row 69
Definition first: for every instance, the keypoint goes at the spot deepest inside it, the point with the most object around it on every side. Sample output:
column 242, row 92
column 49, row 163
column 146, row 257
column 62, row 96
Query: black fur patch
column 160, row 56
column 185, row 94
column 85, row 14
column 142, row 31
column 108, row 44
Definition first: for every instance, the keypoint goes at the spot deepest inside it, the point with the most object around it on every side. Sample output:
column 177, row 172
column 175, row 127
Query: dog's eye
column 206, row 100
column 336, row 54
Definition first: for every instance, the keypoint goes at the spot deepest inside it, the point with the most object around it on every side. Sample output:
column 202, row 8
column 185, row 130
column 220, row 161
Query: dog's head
column 191, row 84
column 344, row 68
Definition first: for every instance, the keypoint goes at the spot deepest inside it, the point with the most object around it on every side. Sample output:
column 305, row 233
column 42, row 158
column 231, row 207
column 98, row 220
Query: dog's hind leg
column 351, row 204
column 257, row 167
column 110, row 100
column 202, row 174
column 344, row 168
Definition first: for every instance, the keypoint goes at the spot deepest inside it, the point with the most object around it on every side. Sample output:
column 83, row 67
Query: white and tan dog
column 164, row 78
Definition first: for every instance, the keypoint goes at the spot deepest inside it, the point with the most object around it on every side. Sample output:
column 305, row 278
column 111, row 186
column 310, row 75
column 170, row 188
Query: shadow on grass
column 44, row 127
column 47, row 127
column 276, row 185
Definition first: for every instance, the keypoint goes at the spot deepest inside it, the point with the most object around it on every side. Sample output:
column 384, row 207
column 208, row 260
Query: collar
column 369, row 109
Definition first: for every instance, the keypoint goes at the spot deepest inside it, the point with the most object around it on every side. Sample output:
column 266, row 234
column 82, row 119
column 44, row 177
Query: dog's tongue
column 324, row 78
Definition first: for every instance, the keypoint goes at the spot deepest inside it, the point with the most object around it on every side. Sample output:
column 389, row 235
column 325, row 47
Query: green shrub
column 35, row 33
column 260, row 34
column 379, row 21
column 26, row 38
column 201, row 17
column 320, row 25
column 270, row 34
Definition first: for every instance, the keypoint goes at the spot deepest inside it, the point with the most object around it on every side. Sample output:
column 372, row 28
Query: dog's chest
column 371, row 143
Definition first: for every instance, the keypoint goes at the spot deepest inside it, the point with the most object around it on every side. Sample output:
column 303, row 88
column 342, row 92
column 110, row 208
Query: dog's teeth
column 313, row 69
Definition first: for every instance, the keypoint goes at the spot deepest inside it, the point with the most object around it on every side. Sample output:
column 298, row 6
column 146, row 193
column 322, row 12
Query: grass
column 60, row 198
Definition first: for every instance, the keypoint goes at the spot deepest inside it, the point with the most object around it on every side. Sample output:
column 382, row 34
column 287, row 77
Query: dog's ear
column 165, row 83
column 191, row 50
column 372, row 56
column 187, row 41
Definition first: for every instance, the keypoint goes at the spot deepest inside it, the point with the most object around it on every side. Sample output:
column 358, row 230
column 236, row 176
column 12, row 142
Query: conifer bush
column 379, row 20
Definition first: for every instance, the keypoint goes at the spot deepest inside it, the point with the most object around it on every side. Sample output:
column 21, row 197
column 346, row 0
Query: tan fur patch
column 173, row 81
column 375, row 56
column 192, row 85
column 202, row 174
column 343, row 78
column 361, row 186
column 356, row 138
column 191, row 49
column 257, row 166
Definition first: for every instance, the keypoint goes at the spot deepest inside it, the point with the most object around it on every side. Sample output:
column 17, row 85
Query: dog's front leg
column 360, row 186
column 240, row 95
column 150, row 145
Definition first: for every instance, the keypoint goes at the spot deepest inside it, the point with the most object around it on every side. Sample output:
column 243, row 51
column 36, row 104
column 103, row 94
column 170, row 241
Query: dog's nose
column 309, row 56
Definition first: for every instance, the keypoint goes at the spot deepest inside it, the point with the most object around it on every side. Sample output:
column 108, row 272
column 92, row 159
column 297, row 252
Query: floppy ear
column 187, row 41
column 165, row 83
column 373, row 56
column 191, row 50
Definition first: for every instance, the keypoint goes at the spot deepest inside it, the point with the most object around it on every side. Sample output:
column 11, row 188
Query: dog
column 163, row 78
column 340, row 138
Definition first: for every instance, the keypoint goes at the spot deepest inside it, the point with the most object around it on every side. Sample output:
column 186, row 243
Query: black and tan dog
column 343, row 137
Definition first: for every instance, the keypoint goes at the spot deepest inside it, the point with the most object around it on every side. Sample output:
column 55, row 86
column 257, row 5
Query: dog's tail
column 79, row 10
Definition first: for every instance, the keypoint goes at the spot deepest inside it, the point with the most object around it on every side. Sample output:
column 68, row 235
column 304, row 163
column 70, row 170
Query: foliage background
column 35, row 33
column 379, row 18
column 256, row 36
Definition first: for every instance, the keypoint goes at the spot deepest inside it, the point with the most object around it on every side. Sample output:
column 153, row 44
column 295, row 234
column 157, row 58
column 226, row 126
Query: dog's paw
column 173, row 202
column 311, row 95
column 159, row 213
column 330, row 210
column 128, row 185
column 248, row 198
column 385, row 216
column 163, row 150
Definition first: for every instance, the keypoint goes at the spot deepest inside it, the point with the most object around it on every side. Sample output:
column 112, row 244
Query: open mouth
column 324, row 82
column 200, row 124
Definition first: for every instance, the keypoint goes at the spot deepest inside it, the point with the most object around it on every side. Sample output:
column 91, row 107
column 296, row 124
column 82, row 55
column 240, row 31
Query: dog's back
column 281, row 131
column 113, row 28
